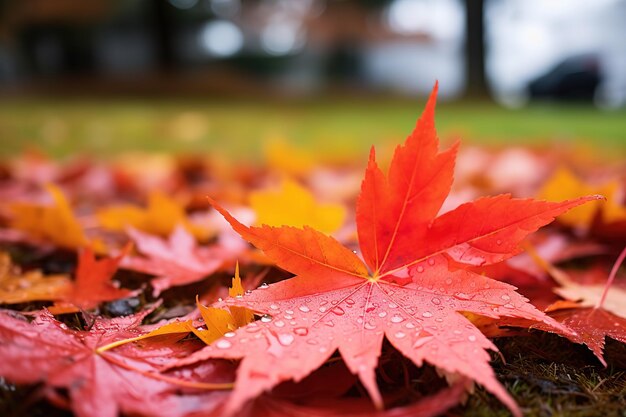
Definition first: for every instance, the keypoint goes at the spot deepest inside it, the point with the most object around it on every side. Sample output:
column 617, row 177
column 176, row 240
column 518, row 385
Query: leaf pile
column 116, row 303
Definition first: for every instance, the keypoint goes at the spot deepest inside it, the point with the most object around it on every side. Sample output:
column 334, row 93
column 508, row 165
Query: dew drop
column 420, row 269
column 304, row 309
column 354, row 252
column 508, row 305
column 338, row 311
column 323, row 349
column 263, row 286
column 288, row 311
column 293, row 322
column 329, row 323
column 498, row 242
column 322, row 309
column 462, row 296
column 223, row 344
column 409, row 325
column 458, row 332
column 427, row 314
column 274, row 307
column 323, row 303
column 382, row 314
column 393, row 305
column 422, row 341
column 431, row 262
column 238, row 296
column 400, row 335
column 439, row 320
column 279, row 323
column 266, row 318
column 248, row 292
column 369, row 325
column 448, row 281
column 285, row 339
column 436, row 301
column 301, row 331
column 471, row 338
column 63, row 326
column 220, row 299
column 312, row 342
column 229, row 334
column 288, row 316
column 397, row 319
column 505, row 297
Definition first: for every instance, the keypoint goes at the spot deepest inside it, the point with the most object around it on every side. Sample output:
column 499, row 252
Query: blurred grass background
column 105, row 128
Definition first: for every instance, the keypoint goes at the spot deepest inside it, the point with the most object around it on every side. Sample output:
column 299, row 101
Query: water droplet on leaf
column 301, row 331
column 223, row 344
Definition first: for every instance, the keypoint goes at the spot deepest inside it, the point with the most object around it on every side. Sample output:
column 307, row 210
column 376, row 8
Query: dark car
column 575, row 78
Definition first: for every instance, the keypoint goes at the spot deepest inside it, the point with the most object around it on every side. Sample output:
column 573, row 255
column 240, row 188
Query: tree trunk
column 475, row 49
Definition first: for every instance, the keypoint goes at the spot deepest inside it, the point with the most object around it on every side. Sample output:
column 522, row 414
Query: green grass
column 109, row 127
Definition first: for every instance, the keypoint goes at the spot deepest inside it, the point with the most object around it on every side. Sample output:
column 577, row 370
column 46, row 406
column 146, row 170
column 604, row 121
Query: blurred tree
column 475, row 49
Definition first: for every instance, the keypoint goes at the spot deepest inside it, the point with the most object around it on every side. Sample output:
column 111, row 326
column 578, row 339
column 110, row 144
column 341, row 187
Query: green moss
column 549, row 376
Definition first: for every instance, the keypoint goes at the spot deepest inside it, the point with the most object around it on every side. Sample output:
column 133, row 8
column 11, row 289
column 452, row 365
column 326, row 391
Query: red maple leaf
column 176, row 261
column 591, row 324
column 411, row 288
column 93, row 281
column 98, row 384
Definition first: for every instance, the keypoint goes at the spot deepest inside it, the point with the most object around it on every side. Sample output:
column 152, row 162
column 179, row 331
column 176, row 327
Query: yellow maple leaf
column 217, row 321
column 293, row 205
column 160, row 217
column 55, row 222
column 565, row 185
column 17, row 287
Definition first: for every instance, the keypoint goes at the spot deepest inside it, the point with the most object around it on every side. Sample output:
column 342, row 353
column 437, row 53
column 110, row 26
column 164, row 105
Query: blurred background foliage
column 337, row 75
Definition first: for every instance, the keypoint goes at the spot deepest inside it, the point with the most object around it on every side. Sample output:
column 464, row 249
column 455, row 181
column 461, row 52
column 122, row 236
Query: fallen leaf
column 21, row 287
column 592, row 311
column 99, row 384
column 176, row 261
column 54, row 222
column 413, row 294
column 592, row 325
column 434, row 405
column 294, row 205
column 161, row 216
column 610, row 297
column 217, row 322
column 93, row 281
column 564, row 184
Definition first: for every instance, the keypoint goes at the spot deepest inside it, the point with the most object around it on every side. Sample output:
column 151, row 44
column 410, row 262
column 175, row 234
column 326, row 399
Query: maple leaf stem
column 117, row 343
column 609, row 282
column 222, row 386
